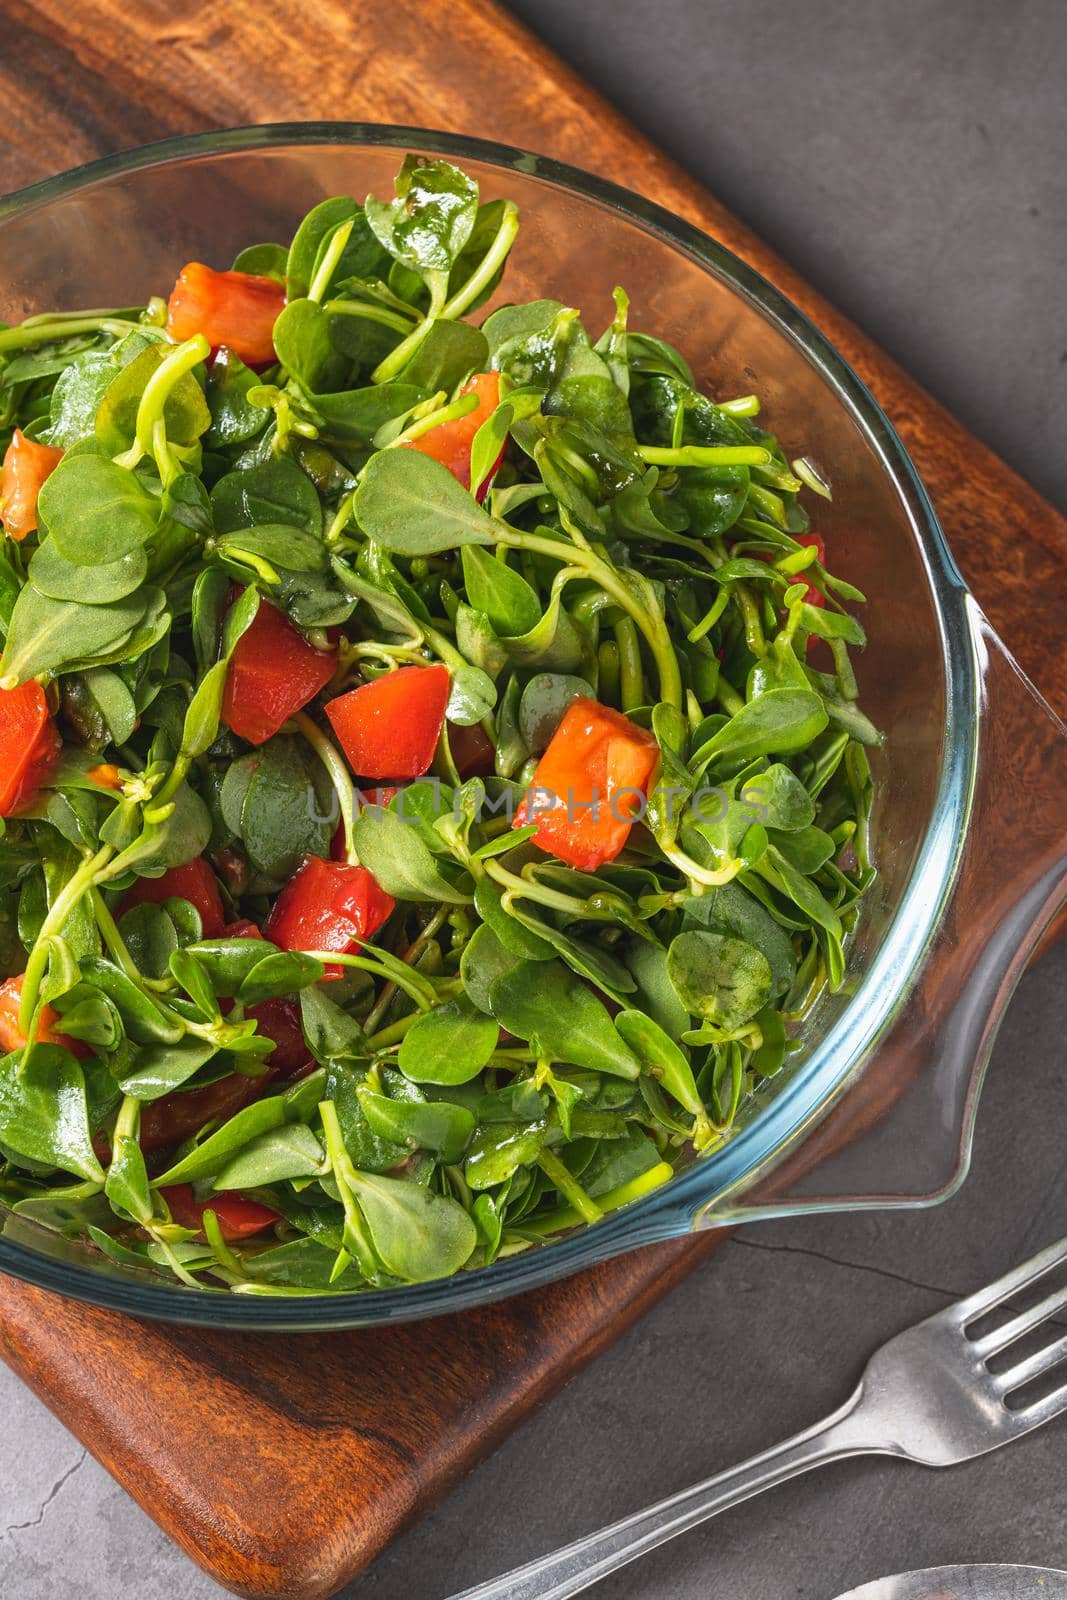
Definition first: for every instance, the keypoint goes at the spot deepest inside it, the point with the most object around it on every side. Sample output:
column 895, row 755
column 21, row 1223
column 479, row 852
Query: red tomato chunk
column 237, row 310
column 450, row 442
column 390, row 728
column 588, row 785
column 272, row 675
column 29, row 744
column 238, row 1218
column 194, row 882
column 26, row 466
column 328, row 906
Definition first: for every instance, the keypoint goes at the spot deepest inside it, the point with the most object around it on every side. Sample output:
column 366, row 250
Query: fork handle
column 577, row 1566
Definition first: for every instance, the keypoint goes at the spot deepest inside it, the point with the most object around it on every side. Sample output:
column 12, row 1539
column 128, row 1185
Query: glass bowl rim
column 668, row 1210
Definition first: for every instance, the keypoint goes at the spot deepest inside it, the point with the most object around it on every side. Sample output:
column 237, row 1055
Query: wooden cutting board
column 356, row 1434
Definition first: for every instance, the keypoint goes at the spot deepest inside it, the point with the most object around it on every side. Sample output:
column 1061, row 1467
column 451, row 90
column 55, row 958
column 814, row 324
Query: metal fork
column 927, row 1396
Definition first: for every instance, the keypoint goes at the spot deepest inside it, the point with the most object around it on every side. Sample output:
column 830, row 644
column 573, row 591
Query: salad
column 433, row 782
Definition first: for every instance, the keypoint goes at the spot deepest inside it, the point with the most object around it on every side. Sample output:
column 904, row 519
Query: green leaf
column 291, row 1151
column 95, row 510
column 185, row 414
column 329, row 1032
column 427, row 1125
column 309, row 238
column 553, row 643
column 524, row 341
column 283, row 972
column 43, row 1111
column 304, row 347
column 484, row 959
column 471, row 696
column 46, row 635
column 233, row 419
column 713, row 498
column 427, row 225
column 719, row 978
column 151, row 939
column 400, row 860
column 177, row 839
column 212, row 1153
column 289, row 809
column 499, row 1149
column 774, row 723
column 157, row 1069
column 368, row 1150
column 142, row 1019
column 450, row 1044
column 357, row 414
column 512, row 933
column 659, row 1055
column 731, row 909
column 127, row 1180
column 60, row 579
column 544, row 701
column 546, row 1004
column 186, row 970
column 417, row 1234
column 76, row 397
column 302, row 1264
column 778, row 799
column 448, row 353
column 277, row 492
column 413, row 506
column 502, row 594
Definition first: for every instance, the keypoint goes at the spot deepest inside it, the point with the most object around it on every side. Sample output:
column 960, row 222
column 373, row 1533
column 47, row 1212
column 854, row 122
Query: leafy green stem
column 568, row 1186
column 62, row 906
column 704, row 455
column 369, row 313
column 357, row 1239
column 340, row 777
column 51, row 329
column 489, row 265
column 328, row 265
column 648, row 616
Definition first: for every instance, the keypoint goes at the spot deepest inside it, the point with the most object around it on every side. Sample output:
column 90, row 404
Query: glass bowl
column 879, row 1107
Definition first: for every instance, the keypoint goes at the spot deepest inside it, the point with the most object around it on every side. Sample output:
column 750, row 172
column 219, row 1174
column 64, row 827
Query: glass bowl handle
column 900, row 1135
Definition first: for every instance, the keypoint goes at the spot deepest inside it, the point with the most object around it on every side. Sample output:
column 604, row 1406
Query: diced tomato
column 107, row 775
column 12, row 1036
column 26, row 466
column 194, row 882
column 272, row 675
column 241, row 929
column 450, row 442
column 390, row 728
column 380, row 795
column 179, row 1115
column 237, row 310
column 589, row 784
column 472, row 750
column 280, row 1020
column 238, row 1218
column 29, row 744
column 328, row 906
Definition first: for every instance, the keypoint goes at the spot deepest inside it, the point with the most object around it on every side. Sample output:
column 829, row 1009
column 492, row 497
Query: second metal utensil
column 928, row 1395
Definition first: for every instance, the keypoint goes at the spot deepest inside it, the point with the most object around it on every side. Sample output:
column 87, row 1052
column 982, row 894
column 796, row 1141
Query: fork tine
column 1043, row 1410
column 1008, row 1332
column 992, row 1295
column 1033, row 1366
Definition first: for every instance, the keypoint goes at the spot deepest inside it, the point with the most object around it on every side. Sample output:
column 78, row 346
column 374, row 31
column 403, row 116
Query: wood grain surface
column 284, row 1465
